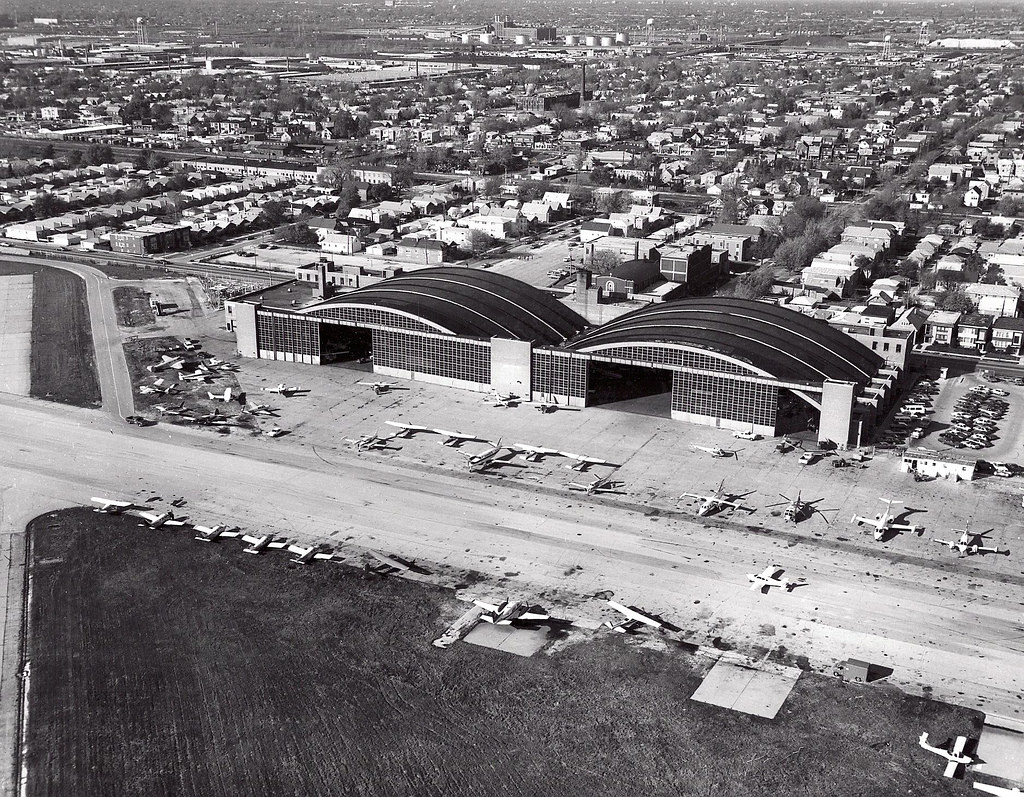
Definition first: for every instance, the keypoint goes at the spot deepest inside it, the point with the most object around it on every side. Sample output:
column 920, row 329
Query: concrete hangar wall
column 729, row 360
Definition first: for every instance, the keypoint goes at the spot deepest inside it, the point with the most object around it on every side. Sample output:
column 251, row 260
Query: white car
column 746, row 435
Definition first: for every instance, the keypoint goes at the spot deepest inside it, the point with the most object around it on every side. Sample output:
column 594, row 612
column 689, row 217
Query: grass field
column 63, row 366
column 161, row 666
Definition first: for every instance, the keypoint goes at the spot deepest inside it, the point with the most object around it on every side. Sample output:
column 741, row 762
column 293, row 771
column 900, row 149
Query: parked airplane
column 599, row 485
column 709, row 504
column 634, row 619
column 886, row 521
column 259, row 409
column 407, row 429
column 284, row 390
column 155, row 521
column 306, row 555
column 195, row 376
column 220, row 365
column 999, row 791
column 159, row 386
column 111, row 507
column 258, row 545
column 508, row 612
column 169, row 410
column 503, row 400
column 533, row 453
column 214, row 533
column 225, row 396
column 716, row 451
column 954, row 758
column 552, row 406
column 968, row 544
column 165, row 363
column 768, row 578
column 389, row 565
column 583, row 461
column 379, row 387
column 454, row 439
column 370, row 442
column 484, row 457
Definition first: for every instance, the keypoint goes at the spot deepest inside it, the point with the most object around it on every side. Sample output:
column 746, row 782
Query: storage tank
column 591, row 41
column 622, row 38
column 522, row 40
column 486, row 38
column 572, row 41
column 607, row 41
column 465, row 38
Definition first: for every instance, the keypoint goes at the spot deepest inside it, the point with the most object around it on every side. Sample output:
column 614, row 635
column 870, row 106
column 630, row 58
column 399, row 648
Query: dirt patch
column 127, row 272
column 133, row 308
column 63, row 357
column 164, row 667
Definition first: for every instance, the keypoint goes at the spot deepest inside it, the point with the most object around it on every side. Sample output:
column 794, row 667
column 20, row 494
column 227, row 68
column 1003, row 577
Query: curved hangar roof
column 779, row 342
column 470, row 302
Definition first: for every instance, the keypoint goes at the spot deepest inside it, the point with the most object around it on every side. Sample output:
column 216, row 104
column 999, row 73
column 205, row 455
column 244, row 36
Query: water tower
column 887, row 47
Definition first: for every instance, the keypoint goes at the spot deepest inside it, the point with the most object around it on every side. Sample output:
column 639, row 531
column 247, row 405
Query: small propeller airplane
column 159, row 386
column 259, row 409
column 599, row 485
column 303, row 556
column 716, row 451
column 111, row 507
column 214, row 533
column 389, row 565
column 484, row 457
column 719, row 500
column 195, row 376
column 798, row 509
column 455, row 439
column 157, row 520
column 503, row 400
column 258, row 545
column 166, row 409
column 165, row 363
column 885, row 521
column 768, row 578
column 546, row 407
column 583, row 462
column 284, row 390
column 968, row 544
column 533, row 453
column 380, row 388
column 225, row 396
column 371, row 442
column 955, row 758
column 407, row 429
column 509, row 612
column 634, row 619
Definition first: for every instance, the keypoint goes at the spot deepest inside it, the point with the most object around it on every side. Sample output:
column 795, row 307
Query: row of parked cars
column 976, row 417
column 911, row 418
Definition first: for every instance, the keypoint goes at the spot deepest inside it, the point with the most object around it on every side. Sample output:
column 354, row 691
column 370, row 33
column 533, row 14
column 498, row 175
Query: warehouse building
column 728, row 363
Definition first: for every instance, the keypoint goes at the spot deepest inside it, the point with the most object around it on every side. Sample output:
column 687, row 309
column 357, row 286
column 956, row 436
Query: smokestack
column 324, row 288
column 583, row 87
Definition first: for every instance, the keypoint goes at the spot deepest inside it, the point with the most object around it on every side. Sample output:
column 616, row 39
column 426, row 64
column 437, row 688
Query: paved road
column 115, row 382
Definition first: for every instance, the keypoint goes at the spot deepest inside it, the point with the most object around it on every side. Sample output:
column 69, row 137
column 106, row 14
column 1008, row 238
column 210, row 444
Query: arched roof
column 779, row 342
column 469, row 302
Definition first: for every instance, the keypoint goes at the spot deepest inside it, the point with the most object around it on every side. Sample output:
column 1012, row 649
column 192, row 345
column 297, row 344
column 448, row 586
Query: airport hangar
column 730, row 363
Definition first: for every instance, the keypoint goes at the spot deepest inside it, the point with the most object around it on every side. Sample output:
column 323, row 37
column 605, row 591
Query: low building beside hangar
column 724, row 362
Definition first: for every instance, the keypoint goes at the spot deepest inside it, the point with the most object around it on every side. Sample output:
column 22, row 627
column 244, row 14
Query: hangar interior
column 722, row 362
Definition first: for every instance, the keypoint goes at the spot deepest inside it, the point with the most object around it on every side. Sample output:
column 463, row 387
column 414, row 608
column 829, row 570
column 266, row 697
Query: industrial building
column 728, row 363
column 150, row 239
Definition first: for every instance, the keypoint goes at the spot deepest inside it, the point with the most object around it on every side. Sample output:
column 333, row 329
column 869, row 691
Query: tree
column 729, row 213
column 348, row 198
column 611, row 201
column 299, row 234
column 46, row 205
column 754, row 284
column 601, row 175
column 479, row 241
column 956, row 300
column 272, row 213
column 402, row 175
column 1010, row 206
column 604, row 262
column 98, row 154
column 332, row 177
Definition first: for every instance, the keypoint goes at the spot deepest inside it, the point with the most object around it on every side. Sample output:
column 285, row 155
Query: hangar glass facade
column 737, row 400
column 559, row 373
column 437, row 355
column 288, row 336
column 371, row 316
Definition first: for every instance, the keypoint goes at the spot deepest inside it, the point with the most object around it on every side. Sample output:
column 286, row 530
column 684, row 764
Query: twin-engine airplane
column 155, row 521
column 284, row 390
column 768, row 578
column 968, row 544
column 886, row 521
column 719, row 500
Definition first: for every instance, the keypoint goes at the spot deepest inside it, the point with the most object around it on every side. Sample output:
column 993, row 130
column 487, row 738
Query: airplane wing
column 634, row 615
column 150, row 516
column 951, row 767
column 770, row 572
column 698, row 497
column 173, row 522
column 959, row 745
column 490, row 607
column 324, row 555
column 249, row 538
column 296, row 549
column 107, row 503
column 866, row 521
column 534, row 616
column 999, row 791
column 277, row 544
